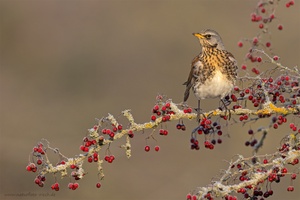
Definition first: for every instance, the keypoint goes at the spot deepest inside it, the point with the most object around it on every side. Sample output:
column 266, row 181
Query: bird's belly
column 217, row 86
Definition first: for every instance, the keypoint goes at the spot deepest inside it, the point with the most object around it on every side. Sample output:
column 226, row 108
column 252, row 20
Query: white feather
column 218, row 86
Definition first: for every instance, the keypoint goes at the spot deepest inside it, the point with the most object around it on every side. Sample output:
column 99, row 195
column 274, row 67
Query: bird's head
column 210, row 38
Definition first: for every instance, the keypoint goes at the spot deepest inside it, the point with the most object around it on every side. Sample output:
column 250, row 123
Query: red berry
column 233, row 97
column 98, row 185
column 287, row 78
column 295, row 161
column 284, row 170
column 261, row 25
column 112, row 157
column 156, row 148
column 188, row 197
column 166, row 132
column 183, row 127
column 153, row 118
column 73, row 166
column 268, row 44
column 290, row 189
column 90, row 159
column 254, row 70
column 250, row 131
column 244, row 67
column 70, row 185
column 270, row 80
column 120, row 127
column 130, row 134
column 112, row 135
column 241, row 118
column 147, row 148
column 240, row 44
column 161, row 131
column 82, row 147
column 188, row 110
column 39, row 162
column 164, row 119
column 37, row 181
column 255, row 40
column 75, row 186
column 293, row 176
column 259, row 59
column 280, row 27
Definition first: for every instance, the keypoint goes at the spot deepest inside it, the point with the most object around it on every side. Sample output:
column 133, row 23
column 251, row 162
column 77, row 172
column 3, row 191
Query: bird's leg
column 198, row 112
column 198, row 109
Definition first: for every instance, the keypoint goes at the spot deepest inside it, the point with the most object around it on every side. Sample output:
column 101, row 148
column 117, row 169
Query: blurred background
column 65, row 63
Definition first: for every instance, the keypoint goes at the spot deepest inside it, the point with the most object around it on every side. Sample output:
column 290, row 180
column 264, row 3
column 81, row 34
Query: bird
column 213, row 72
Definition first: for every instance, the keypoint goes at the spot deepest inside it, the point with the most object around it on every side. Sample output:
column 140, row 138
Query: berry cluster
column 94, row 158
column 38, row 152
column 73, row 186
column 162, row 109
column 253, row 177
column 39, row 180
column 109, row 158
column 55, row 186
column 111, row 132
column 208, row 129
column 86, row 144
column 147, row 148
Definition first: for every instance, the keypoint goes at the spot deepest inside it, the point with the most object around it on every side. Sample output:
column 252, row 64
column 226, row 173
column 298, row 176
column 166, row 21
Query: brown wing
column 232, row 67
column 191, row 79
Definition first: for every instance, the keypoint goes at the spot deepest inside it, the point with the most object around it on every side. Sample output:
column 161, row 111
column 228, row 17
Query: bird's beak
column 198, row 35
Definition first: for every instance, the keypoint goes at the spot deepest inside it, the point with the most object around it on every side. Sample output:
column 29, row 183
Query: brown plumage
column 213, row 71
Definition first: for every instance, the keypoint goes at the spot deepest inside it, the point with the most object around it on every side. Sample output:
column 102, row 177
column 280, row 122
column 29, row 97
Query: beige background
column 65, row 63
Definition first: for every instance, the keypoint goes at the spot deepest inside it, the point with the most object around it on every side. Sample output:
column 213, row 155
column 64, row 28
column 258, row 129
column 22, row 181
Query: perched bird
column 213, row 71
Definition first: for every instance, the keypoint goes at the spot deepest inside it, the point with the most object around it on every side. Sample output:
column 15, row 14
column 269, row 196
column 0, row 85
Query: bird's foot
column 227, row 110
column 200, row 114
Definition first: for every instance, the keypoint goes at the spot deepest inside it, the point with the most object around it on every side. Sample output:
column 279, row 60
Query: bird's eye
column 208, row 36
